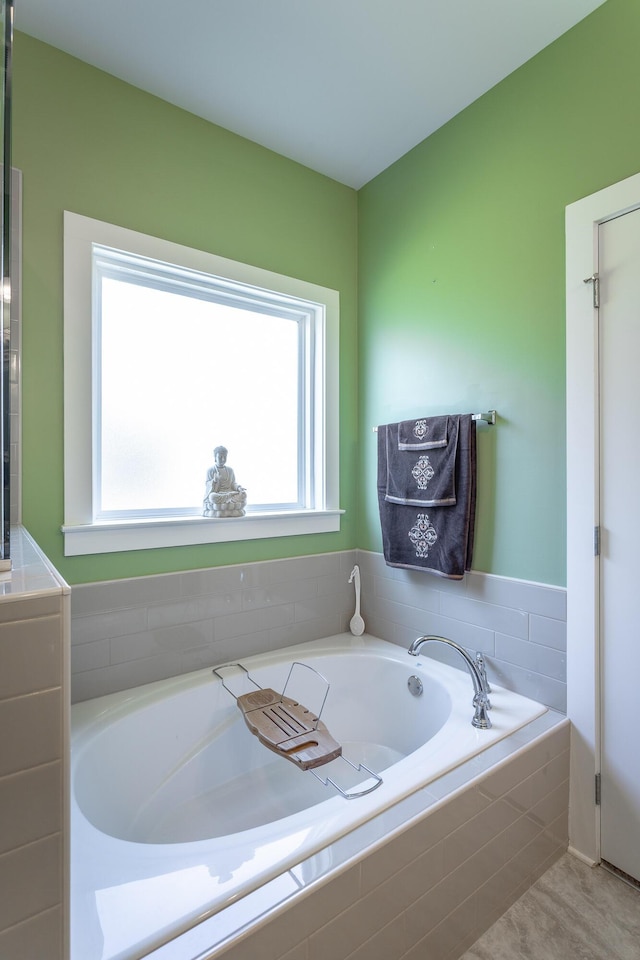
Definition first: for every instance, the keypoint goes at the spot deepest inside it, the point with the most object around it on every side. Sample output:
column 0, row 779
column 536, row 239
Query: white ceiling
column 342, row 86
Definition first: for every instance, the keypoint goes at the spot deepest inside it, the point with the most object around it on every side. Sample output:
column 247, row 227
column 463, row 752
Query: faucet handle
column 481, row 717
column 482, row 670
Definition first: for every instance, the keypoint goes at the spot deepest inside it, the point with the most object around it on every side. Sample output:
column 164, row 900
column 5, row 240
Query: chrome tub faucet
column 478, row 677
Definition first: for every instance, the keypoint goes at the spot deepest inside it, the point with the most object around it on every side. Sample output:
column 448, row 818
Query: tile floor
column 573, row 912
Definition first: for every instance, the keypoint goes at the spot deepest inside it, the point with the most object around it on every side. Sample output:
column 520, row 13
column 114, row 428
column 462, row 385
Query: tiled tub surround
column 128, row 632
column 34, row 617
column 423, row 879
column 177, row 810
column 519, row 626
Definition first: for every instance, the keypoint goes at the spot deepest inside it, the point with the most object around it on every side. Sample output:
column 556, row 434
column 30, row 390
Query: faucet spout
column 480, row 699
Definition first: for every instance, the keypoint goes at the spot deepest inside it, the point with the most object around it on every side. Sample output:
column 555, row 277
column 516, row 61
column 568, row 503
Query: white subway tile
column 328, row 900
column 532, row 656
column 165, row 640
column 483, row 828
column 466, row 634
column 252, row 621
column 383, row 629
column 421, row 873
column 211, row 582
column 449, row 815
column 548, row 632
column 396, row 859
column 234, row 648
column 198, row 658
column 249, row 912
column 283, row 604
column 123, row 676
column 545, row 690
column 304, row 630
column 37, row 938
column 540, row 726
column 93, row 598
column 338, row 586
column 537, row 852
column 348, row 559
column 553, row 807
column 410, row 593
column 297, row 568
column 390, row 942
column 539, row 598
column 317, row 607
column 254, row 598
column 90, row 656
column 102, row 626
column 370, row 564
column 30, row 880
column 360, row 921
column 394, row 613
column 31, row 608
column 458, row 921
column 32, row 731
column 196, row 608
column 488, row 615
column 507, row 777
column 31, row 804
column 539, row 784
column 30, row 655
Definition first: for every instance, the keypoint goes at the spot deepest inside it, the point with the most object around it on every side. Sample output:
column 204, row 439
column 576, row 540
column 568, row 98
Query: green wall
column 89, row 143
column 458, row 251
column 462, row 286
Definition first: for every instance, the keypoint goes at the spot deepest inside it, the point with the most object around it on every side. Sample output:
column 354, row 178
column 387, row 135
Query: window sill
column 116, row 536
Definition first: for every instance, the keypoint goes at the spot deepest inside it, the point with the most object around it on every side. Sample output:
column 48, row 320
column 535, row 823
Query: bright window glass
column 179, row 375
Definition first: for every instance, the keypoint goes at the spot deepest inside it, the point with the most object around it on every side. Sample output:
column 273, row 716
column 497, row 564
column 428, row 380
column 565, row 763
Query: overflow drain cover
column 415, row 686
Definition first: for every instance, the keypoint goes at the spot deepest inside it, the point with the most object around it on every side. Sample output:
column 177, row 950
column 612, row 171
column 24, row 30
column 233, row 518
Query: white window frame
column 82, row 533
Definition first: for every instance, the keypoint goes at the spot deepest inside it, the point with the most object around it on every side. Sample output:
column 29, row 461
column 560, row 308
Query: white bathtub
column 177, row 810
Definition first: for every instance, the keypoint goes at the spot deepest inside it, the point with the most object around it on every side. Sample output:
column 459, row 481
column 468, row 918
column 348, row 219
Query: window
column 170, row 352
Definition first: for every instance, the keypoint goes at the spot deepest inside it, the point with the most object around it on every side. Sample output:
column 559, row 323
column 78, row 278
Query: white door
column 619, row 349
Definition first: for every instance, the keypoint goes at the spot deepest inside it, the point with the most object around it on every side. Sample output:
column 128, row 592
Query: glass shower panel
column 6, row 18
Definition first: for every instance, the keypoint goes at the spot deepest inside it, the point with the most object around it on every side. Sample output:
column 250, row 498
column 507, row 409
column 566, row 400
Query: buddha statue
column 223, row 496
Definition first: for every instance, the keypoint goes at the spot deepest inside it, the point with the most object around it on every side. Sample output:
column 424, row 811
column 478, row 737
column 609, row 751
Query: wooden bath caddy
column 291, row 730
column 288, row 728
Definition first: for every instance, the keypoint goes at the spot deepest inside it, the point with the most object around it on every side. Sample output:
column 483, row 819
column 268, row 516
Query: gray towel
column 426, row 433
column 438, row 540
column 422, row 478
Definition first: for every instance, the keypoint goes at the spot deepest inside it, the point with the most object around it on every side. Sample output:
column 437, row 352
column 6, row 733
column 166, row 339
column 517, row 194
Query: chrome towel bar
column 488, row 417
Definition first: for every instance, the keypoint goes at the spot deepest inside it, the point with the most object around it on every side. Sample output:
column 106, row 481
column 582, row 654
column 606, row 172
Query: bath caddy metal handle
column 292, row 731
column 296, row 663
column 351, row 794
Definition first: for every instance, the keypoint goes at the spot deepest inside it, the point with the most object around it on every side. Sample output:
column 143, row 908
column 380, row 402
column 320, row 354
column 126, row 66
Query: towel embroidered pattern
column 421, row 429
column 422, row 472
column 422, row 535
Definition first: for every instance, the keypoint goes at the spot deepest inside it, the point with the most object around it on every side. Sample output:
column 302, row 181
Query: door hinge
column 596, row 541
column 595, row 280
column 598, row 789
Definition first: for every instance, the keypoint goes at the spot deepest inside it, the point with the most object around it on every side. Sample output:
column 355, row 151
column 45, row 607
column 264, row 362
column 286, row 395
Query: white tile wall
column 33, row 718
column 130, row 632
column 520, row 627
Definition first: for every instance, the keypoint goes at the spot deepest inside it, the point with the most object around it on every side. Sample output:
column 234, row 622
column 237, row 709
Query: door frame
column 583, row 633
